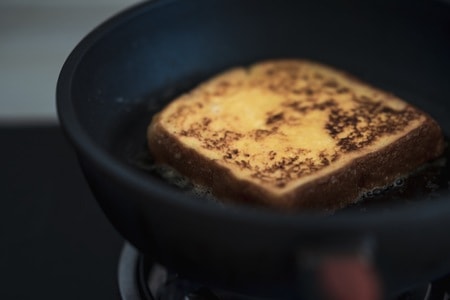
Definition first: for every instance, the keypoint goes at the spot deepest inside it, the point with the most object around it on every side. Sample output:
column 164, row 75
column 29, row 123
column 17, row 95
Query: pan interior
column 430, row 182
column 141, row 63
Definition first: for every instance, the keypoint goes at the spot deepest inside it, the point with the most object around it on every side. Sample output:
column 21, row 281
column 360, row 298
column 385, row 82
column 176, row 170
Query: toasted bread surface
column 292, row 134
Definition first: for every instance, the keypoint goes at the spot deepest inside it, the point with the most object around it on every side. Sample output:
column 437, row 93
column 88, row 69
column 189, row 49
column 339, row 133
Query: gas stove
column 141, row 278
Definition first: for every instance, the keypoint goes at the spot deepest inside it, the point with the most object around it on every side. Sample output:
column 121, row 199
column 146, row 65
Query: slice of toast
column 292, row 134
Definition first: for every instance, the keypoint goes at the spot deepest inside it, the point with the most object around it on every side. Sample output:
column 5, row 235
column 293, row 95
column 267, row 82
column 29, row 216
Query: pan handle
column 339, row 270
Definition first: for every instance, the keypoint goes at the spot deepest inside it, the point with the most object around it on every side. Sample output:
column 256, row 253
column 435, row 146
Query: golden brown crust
column 332, row 189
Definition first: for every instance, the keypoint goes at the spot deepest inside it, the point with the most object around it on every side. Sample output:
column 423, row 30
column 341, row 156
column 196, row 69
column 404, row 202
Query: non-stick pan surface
column 133, row 64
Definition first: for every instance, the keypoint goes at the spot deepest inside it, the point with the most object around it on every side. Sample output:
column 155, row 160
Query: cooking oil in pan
column 429, row 182
column 144, row 162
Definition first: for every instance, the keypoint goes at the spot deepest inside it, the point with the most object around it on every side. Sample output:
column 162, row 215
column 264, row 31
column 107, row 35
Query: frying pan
column 130, row 66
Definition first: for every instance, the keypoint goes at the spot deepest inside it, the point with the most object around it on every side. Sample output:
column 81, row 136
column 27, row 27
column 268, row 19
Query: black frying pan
column 130, row 66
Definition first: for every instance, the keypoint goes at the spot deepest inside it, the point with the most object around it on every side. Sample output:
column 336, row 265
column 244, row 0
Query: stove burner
column 142, row 279
column 130, row 275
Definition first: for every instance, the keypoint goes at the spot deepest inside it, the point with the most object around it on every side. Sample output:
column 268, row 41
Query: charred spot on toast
column 369, row 120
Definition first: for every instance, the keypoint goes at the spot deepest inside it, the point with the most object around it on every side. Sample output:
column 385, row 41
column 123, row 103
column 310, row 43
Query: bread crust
column 332, row 191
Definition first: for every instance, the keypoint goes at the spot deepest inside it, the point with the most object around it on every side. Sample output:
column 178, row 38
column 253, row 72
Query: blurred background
column 55, row 242
column 36, row 36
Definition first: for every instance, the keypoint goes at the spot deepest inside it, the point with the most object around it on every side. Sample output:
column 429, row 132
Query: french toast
column 292, row 134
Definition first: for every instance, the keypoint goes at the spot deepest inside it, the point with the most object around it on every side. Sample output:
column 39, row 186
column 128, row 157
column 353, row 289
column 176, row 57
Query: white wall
column 35, row 39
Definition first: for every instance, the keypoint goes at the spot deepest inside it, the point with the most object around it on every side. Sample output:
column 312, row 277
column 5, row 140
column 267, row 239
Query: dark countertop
column 55, row 241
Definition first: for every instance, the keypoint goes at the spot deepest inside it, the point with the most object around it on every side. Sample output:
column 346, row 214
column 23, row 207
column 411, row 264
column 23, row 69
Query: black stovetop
column 55, row 241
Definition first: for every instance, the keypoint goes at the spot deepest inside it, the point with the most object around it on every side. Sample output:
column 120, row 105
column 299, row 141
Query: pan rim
column 401, row 216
